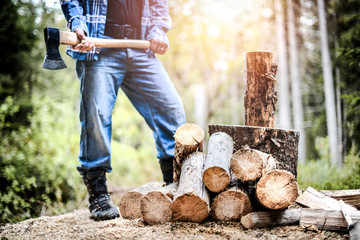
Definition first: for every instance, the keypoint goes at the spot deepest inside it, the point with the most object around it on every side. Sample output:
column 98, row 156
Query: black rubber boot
column 167, row 169
column 101, row 207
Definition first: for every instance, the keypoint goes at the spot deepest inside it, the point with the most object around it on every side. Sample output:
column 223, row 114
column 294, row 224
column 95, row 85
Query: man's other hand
column 157, row 46
column 86, row 44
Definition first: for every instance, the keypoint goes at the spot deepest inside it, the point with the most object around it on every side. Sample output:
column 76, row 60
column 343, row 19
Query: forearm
column 160, row 20
column 74, row 14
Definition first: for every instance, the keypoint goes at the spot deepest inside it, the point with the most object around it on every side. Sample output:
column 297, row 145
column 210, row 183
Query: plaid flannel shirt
column 90, row 15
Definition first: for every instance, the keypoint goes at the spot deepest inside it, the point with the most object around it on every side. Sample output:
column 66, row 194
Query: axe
column 53, row 38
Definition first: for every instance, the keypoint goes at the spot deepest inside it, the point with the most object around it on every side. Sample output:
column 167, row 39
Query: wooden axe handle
column 70, row 38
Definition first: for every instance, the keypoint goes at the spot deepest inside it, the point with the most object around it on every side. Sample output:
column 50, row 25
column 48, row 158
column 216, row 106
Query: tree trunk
column 271, row 219
column 260, row 96
column 327, row 219
column 130, row 202
column 298, row 114
column 277, row 189
column 155, row 205
column 283, row 75
column 316, row 200
column 191, row 202
column 328, row 87
column 230, row 205
column 251, row 164
column 351, row 197
column 281, row 144
column 189, row 138
column 216, row 176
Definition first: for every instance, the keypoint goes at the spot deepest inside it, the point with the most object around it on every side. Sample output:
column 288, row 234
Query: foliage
column 320, row 174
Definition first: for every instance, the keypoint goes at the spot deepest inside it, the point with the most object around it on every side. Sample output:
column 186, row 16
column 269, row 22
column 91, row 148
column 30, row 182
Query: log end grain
column 216, row 179
column 155, row 208
column 246, row 165
column 230, row 206
column 189, row 134
column 189, row 208
column 130, row 205
column 277, row 189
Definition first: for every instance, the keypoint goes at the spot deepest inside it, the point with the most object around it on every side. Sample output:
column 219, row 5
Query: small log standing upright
column 216, row 176
column 189, row 138
column 191, row 201
column 260, row 96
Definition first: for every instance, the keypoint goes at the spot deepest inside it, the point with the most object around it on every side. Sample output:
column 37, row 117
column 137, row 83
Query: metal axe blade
column 52, row 59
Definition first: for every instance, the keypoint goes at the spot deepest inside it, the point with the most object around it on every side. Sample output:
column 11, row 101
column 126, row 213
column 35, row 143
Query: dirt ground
column 78, row 225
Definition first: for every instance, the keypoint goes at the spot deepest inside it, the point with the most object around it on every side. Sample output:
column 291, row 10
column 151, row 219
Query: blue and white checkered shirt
column 90, row 15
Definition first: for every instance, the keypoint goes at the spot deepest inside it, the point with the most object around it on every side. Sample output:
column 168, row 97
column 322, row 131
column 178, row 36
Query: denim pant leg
column 151, row 91
column 100, row 81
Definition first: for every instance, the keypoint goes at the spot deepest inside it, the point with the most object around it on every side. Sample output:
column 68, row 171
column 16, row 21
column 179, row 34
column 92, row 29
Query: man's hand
column 157, row 46
column 86, row 44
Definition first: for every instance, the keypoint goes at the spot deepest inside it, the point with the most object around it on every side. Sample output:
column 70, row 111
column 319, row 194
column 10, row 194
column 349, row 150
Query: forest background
column 317, row 44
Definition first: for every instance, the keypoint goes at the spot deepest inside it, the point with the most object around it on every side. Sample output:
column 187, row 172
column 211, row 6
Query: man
column 136, row 71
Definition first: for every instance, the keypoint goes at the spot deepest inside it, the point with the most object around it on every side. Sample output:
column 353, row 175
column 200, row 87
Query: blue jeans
column 148, row 86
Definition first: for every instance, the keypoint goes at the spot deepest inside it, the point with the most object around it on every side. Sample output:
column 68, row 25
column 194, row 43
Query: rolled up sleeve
column 74, row 14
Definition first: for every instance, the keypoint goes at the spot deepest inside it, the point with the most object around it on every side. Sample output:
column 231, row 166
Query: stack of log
column 248, row 174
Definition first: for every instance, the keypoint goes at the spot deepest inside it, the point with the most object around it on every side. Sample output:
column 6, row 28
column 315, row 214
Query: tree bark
column 281, row 144
column 130, row 202
column 277, row 189
column 251, row 164
column 271, row 219
column 189, row 138
column 327, row 219
column 191, row 201
column 230, row 205
column 328, row 88
column 298, row 114
column 283, row 75
column 260, row 94
column 216, row 176
column 155, row 205
column 316, row 200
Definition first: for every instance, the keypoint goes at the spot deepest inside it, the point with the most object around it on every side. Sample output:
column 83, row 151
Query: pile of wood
column 248, row 174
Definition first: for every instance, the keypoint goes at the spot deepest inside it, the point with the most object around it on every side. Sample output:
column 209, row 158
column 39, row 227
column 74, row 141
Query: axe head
column 52, row 59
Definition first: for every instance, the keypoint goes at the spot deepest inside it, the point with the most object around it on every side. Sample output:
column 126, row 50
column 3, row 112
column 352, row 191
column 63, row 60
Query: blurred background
column 317, row 43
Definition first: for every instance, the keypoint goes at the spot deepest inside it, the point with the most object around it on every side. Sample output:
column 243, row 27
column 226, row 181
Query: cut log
column 327, row 219
column 251, row 164
column 314, row 199
column 260, row 96
column 230, row 205
column 216, row 176
column 155, row 205
column 189, row 138
column 191, row 201
column 277, row 189
column 345, row 213
column 351, row 196
column 271, row 219
column 130, row 202
column 355, row 231
column 281, row 144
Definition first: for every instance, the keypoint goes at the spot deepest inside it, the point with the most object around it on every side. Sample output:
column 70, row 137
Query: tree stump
column 130, row 202
column 260, row 96
column 230, row 205
column 271, row 218
column 216, row 176
column 277, row 189
column 281, row 144
column 155, row 205
column 191, row 201
column 189, row 138
column 251, row 164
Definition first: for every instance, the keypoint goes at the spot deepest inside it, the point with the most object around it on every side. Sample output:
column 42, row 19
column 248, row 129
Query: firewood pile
column 248, row 173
